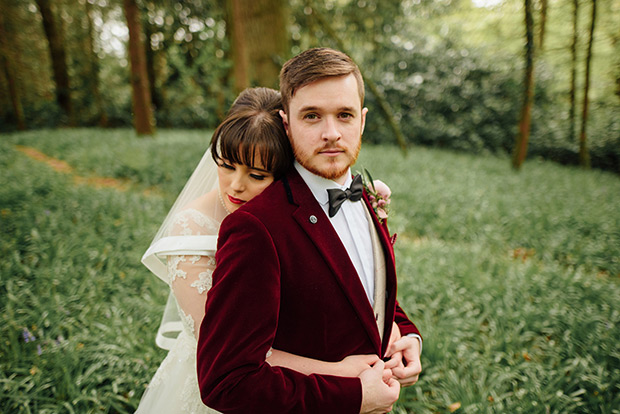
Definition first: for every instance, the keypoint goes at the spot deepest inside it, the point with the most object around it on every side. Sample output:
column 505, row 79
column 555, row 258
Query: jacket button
column 313, row 219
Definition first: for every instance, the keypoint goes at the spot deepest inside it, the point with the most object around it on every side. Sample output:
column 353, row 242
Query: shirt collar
column 319, row 185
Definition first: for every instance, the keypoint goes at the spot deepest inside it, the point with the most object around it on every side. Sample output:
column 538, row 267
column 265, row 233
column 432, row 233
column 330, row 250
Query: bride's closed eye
column 255, row 175
column 227, row 166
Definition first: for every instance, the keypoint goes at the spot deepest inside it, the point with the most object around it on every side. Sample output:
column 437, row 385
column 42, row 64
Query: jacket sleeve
column 241, row 318
column 406, row 326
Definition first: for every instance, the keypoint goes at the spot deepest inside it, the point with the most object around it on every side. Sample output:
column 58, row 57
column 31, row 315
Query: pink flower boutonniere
column 378, row 194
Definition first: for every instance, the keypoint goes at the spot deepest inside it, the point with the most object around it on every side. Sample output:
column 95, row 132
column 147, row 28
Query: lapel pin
column 313, row 219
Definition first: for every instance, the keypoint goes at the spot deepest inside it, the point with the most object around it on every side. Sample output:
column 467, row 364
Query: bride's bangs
column 258, row 142
column 228, row 139
column 246, row 135
column 267, row 140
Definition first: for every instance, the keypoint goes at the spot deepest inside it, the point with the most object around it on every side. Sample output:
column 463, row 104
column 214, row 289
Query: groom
column 296, row 274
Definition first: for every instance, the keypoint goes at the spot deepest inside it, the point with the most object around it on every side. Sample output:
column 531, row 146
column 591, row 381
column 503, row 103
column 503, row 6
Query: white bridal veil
column 202, row 181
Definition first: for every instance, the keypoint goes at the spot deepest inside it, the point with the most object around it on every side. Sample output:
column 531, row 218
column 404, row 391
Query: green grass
column 70, row 275
column 513, row 278
column 164, row 161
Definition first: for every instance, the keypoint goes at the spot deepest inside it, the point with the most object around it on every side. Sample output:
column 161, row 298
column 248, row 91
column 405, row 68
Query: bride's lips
column 235, row 200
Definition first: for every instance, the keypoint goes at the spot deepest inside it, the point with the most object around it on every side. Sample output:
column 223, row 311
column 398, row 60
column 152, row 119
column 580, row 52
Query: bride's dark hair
column 253, row 127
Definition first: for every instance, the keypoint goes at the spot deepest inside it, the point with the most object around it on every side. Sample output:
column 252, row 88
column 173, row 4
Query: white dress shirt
column 351, row 225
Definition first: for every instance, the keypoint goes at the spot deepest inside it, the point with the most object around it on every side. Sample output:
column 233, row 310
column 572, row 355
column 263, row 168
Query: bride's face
column 240, row 183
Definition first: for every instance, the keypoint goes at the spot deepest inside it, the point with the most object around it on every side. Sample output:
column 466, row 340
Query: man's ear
column 284, row 120
column 364, row 112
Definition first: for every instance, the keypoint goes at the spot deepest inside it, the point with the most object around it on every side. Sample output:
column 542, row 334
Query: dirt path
column 63, row 167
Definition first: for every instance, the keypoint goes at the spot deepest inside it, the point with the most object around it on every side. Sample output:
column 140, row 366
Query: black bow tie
column 337, row 197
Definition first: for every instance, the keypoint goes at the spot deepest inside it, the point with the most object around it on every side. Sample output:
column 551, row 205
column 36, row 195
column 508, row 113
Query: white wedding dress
column 174, row 387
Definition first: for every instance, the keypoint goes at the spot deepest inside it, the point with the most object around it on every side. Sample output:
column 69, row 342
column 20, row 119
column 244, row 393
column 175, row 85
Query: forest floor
column 62, row 167
column 512, row 278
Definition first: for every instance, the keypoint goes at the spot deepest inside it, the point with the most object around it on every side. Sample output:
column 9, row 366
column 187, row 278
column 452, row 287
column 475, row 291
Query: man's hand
column 410, row 349
column 395, row 359
column 378, row 395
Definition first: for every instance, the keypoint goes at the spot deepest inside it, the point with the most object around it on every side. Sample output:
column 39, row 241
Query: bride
column 248, row 151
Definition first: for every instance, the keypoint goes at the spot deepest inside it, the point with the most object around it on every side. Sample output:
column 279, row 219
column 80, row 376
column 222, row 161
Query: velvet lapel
column 326, row 240
column 390, row 273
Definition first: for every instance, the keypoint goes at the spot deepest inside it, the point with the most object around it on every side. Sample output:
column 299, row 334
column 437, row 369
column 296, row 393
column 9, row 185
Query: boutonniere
column 378, row 194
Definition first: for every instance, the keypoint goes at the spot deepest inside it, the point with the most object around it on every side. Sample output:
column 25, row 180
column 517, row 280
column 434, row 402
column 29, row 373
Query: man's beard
column 328, row 173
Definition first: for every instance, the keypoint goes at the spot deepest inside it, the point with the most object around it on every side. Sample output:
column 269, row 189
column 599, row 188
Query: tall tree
column 94, row 67
column 573, row 73
column 520, row 149
column 58, row 56
column 144, row 121
column 615, row 42
column 584, row 153
column 153, row 55
column 544, row 6
column 259, row 41
column 6, row 61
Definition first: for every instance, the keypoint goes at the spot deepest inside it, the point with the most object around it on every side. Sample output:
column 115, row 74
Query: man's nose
column 331, row 131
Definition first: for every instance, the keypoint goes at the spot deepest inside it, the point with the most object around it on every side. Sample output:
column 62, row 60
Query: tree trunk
column 520, row 150
column 59, row 58
column 9, row 73
column 544, row 5
column 151, row 66
column 141, row 97
column 16, row 102
column 584, row 154
column 573, row 76
column 240, row 57
column 95, row 69
column 259, row 41
column 229, row 75
column 615, row 41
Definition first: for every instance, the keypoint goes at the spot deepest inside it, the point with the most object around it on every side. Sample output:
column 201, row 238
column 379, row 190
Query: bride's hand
column 354, row 365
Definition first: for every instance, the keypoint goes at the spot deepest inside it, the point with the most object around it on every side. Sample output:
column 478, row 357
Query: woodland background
column 513, row 278
column 480, row 76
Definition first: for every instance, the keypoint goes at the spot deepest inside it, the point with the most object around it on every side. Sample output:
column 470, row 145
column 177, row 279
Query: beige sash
column 379, row 261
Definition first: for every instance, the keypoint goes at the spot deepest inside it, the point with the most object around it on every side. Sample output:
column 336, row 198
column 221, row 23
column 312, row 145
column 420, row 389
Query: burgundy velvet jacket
column 284, row 280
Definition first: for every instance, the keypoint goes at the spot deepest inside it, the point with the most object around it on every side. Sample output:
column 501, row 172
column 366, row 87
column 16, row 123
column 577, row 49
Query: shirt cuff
column 419, row 338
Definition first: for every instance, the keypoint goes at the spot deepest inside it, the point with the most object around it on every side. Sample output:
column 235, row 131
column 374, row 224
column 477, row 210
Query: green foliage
column 443, row 99
column 511, row 277
column 549, row 140
column 548, row 211
column 71, row 263
column 164, row 161
column 452, row 73
column 505, row 335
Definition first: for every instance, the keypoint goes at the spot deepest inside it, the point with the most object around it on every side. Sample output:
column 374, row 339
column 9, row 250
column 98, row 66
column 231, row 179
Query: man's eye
column 346, row 115
column 310, row 116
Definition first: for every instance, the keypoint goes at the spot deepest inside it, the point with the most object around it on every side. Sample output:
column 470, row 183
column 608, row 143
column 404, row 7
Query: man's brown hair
column 313, row 65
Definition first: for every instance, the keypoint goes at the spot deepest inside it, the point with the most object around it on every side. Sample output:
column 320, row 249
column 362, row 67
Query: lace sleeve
column 190, row 275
